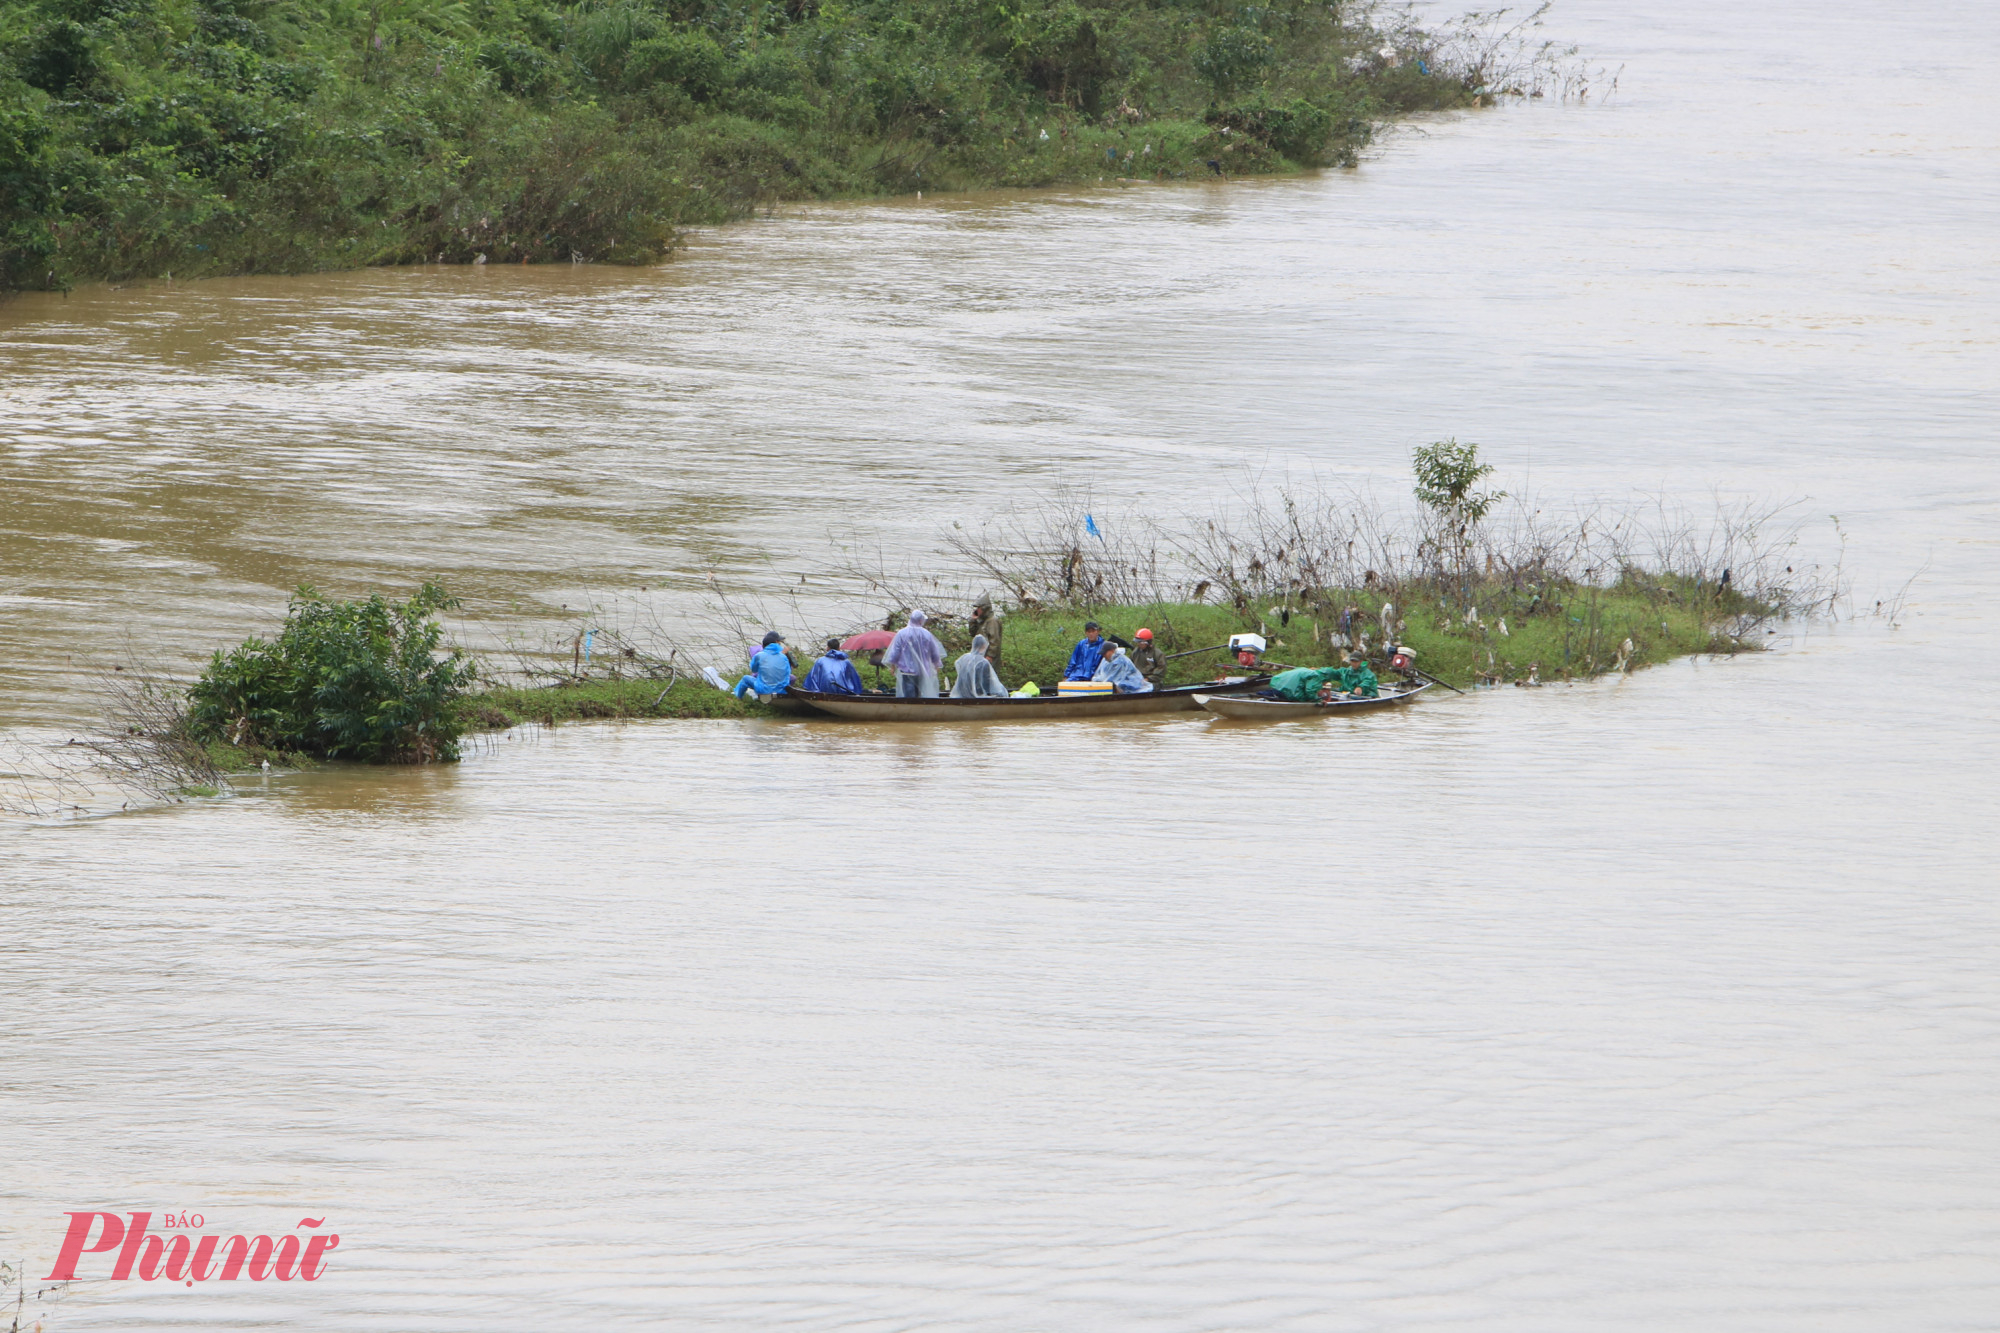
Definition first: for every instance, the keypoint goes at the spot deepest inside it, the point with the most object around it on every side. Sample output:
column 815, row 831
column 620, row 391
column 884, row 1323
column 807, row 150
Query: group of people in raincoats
column 1130, row 668
column 771, row 671
column 917, row 657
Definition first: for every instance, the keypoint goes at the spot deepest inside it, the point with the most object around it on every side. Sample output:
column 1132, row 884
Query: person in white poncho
column 1120, row 670
column 977, row 678
column 916, row 656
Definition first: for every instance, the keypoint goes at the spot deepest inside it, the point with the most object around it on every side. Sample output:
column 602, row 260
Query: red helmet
column 1145, row 634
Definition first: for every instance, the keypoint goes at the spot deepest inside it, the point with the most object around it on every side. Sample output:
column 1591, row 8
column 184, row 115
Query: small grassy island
column 194, row 137
column 1324, row 581
column 1527, row 635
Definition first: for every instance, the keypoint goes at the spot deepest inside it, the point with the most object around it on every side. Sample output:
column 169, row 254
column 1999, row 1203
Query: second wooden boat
column 1252, row 708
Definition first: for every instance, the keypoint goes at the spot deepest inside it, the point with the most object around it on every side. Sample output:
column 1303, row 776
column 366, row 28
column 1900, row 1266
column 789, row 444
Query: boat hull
column 791, row 702
column 1046, row 708
column 1250, row 708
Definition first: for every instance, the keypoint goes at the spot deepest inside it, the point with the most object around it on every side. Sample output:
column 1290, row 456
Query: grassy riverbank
column 592, row 700
column 191, row 137
column 1576, row 634
column 1511, row 637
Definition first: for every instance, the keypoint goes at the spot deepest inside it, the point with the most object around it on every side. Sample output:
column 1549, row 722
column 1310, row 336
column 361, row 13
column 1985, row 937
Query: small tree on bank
column 357, row 680
column 1446, row 473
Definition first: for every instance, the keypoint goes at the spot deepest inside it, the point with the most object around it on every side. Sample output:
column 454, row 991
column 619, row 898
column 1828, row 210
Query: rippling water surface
column 1661, row 1003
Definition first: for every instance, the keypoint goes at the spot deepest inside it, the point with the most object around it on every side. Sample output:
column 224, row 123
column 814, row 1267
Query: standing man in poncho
column 985, row 619
column 916, row 656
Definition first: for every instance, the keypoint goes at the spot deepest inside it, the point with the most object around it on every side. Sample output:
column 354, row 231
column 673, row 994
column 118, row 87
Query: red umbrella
column 869, row 642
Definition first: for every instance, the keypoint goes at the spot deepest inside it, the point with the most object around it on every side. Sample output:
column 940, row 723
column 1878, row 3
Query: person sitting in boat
column 1117, row 668
column 977, row 678
column 1311, row 685
column 1089, row 651
column 833, row 673
column 916, row 657
column 770, row 670
column 1146, row 656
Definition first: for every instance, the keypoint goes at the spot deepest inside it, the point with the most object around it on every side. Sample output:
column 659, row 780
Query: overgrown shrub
column 361, row 680
column 1304, row 131
column 1233, row 58
column 27, row 249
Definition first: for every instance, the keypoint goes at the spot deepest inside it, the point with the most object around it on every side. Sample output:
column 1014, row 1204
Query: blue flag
column 1090, row 526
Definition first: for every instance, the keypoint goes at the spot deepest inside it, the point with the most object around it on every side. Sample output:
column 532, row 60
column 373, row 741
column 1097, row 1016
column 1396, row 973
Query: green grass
column 1569, row 633
column 1566, row 633
column 229, row 758
column 596, row 700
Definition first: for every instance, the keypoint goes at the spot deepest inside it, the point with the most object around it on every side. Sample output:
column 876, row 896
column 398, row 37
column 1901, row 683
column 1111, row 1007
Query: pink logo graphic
column 186, row 1260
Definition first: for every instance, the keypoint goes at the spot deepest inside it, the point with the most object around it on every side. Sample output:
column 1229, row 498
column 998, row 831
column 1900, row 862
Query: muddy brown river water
column 1671, row 1002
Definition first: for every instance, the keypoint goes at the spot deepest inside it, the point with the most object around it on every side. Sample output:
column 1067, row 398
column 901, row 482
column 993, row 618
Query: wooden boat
column 792, row 702
column 1270, row 710
column 1049, row 707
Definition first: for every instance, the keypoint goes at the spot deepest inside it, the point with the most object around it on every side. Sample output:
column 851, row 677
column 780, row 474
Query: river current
column 1667, row 1002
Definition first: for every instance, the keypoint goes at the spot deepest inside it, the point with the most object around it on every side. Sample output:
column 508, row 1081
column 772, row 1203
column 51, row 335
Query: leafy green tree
column 1059, row 50
column 358, row 680
column 1447, row 473
column 1233, row 59
column 26, row 190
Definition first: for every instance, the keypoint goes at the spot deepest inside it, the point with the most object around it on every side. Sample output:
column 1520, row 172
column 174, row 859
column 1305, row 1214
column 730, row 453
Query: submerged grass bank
column 1499, row 636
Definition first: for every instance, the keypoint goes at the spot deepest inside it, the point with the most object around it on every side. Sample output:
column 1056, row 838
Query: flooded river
column 1666, row 1003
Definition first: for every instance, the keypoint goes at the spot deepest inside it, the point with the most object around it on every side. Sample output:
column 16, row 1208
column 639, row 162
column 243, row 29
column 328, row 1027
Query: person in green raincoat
column 1302, row 685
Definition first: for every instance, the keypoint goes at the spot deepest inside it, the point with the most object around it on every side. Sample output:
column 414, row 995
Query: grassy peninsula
column 1325, row 579
column 1522, row 636
column 192, row 137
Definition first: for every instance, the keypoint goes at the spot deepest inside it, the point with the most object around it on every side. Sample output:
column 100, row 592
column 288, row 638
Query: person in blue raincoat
column 770, row 670
column 1121, row 671
column 1089, row 651
column 833, row 673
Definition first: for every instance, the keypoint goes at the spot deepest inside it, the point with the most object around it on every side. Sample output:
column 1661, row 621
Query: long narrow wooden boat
column 1047, row 708
column 1270, row 710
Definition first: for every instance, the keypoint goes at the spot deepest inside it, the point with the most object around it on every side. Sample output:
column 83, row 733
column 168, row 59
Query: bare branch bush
column 149, row 749
column 44, row 782
column 1890, row 608
column 144, row 750
column 616, row 637
column 1046, row 554
column 1497, row 52
column 1301, row 546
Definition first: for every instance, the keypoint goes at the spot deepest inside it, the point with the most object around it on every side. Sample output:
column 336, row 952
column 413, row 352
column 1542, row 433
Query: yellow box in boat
column 1085, row 687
